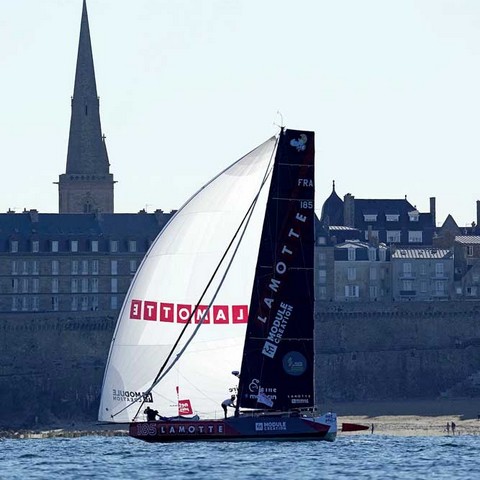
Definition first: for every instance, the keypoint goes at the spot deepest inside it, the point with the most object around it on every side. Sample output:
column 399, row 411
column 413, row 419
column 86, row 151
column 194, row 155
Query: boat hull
column 243, row 428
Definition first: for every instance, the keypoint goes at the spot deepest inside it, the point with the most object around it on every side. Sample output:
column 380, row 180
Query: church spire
column 87, row 184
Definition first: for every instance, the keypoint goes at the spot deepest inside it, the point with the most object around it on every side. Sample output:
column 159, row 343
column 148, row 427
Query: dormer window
column 413, row 216
column 370, row 217
column 392, row 217
column 14, row 246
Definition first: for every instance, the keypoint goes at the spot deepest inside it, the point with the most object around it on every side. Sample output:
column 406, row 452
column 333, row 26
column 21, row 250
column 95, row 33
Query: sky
column 391, row 89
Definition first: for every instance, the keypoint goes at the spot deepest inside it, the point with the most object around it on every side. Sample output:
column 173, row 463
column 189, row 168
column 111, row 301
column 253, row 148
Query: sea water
column 354, row 457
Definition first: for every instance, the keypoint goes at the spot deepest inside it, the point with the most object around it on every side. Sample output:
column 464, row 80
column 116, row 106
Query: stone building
column 422, row 273
column 467, row 267
column 83, row 258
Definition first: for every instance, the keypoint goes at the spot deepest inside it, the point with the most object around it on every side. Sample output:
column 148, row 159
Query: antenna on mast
column 282, row 125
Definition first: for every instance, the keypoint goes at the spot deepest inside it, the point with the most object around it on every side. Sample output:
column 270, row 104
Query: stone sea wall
column 397, row 351
column 51, row 368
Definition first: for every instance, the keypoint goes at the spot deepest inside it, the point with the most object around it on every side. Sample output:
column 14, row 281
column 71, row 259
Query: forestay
column 168, row 285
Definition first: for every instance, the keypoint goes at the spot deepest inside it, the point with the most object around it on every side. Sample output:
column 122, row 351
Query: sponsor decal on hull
column 153, row 429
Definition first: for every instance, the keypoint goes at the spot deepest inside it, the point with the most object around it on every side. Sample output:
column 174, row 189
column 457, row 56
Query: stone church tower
column 87, row 184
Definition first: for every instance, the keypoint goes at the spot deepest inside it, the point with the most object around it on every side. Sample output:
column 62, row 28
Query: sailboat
column 222, row 306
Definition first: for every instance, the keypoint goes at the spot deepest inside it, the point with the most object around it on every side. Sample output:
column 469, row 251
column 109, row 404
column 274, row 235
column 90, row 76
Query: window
column 475, row 278
column 94, row 267
column 94, row 245
column 370, row 217
column 322, row 258
column 54, row 285
column 373, row 291
column 35, row 304
column 74, row 285
column 472, row 291
column 372, row 254
column 14, row 246
column 382, row 253
column 74, row 246
column 24, row 267
column 84, row 267
column 423, row 286
column 114, row 285
column 322, row 276
column 321, row 241
column 373, row 273
column 393, row 236
column 392, row 217
column 55, row 267
column 25, row 304
column 114, row 267
column 322, row 293
column 55, row 304
column 113, row 302
column 54, row 245
column 352, row 291
column 35, row 285
column 423, row 269
column 24, row 285
column 439, row 269
column 35, row 269
column 74, row 303
column 407, row 269
column 84, row 303
column 469, row 250
column 35, row 246
column 352, row 273
column 114, row 246
column 415, row 236
column 132, row 246
column 84, row 285
column 371, row 235
column 94, row 285
column 351, row 254
column 14, row 285
column 74, row 267
column 94, row 303
column 440, row 288
column 133, row 266
column 14, row 267
column 413, row 216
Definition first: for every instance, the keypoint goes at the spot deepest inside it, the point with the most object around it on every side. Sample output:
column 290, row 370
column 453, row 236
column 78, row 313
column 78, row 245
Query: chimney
column 33, row 216
column 349, row 210
column 433, row 211
column 478, row 213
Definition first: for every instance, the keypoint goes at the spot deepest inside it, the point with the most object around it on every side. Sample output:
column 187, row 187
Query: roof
column 468, row 239
column 422, row 253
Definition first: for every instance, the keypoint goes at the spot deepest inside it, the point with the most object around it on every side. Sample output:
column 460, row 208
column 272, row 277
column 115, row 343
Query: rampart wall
column 51, row 368
column 397, row 351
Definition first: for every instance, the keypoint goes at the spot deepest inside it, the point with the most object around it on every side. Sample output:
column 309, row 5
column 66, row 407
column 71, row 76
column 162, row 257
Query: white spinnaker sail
column 170, row 282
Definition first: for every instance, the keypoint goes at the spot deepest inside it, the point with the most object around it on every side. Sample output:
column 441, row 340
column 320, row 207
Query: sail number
column 306, row 204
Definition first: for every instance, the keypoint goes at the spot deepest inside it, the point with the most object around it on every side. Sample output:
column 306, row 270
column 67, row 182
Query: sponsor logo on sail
column 120, row 395
column 300, row 144
column 277, row 329
column 184, row 313
column 294, row 363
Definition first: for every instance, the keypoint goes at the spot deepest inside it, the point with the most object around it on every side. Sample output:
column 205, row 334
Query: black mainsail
column 278, row 362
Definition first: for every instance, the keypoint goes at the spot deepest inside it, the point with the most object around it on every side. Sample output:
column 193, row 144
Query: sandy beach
column 402, row 418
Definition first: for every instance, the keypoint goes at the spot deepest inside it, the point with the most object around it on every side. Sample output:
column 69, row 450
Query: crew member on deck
column 151, row 414
column 228, row 403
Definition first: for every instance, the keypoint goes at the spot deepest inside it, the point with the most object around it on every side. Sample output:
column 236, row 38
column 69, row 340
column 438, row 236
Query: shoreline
column 401, row 418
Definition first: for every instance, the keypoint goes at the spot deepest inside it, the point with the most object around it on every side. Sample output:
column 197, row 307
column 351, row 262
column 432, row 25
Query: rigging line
column 243, row 224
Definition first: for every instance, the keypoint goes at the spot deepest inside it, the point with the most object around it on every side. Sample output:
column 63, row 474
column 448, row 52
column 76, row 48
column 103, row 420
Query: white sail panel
column 170, row 282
